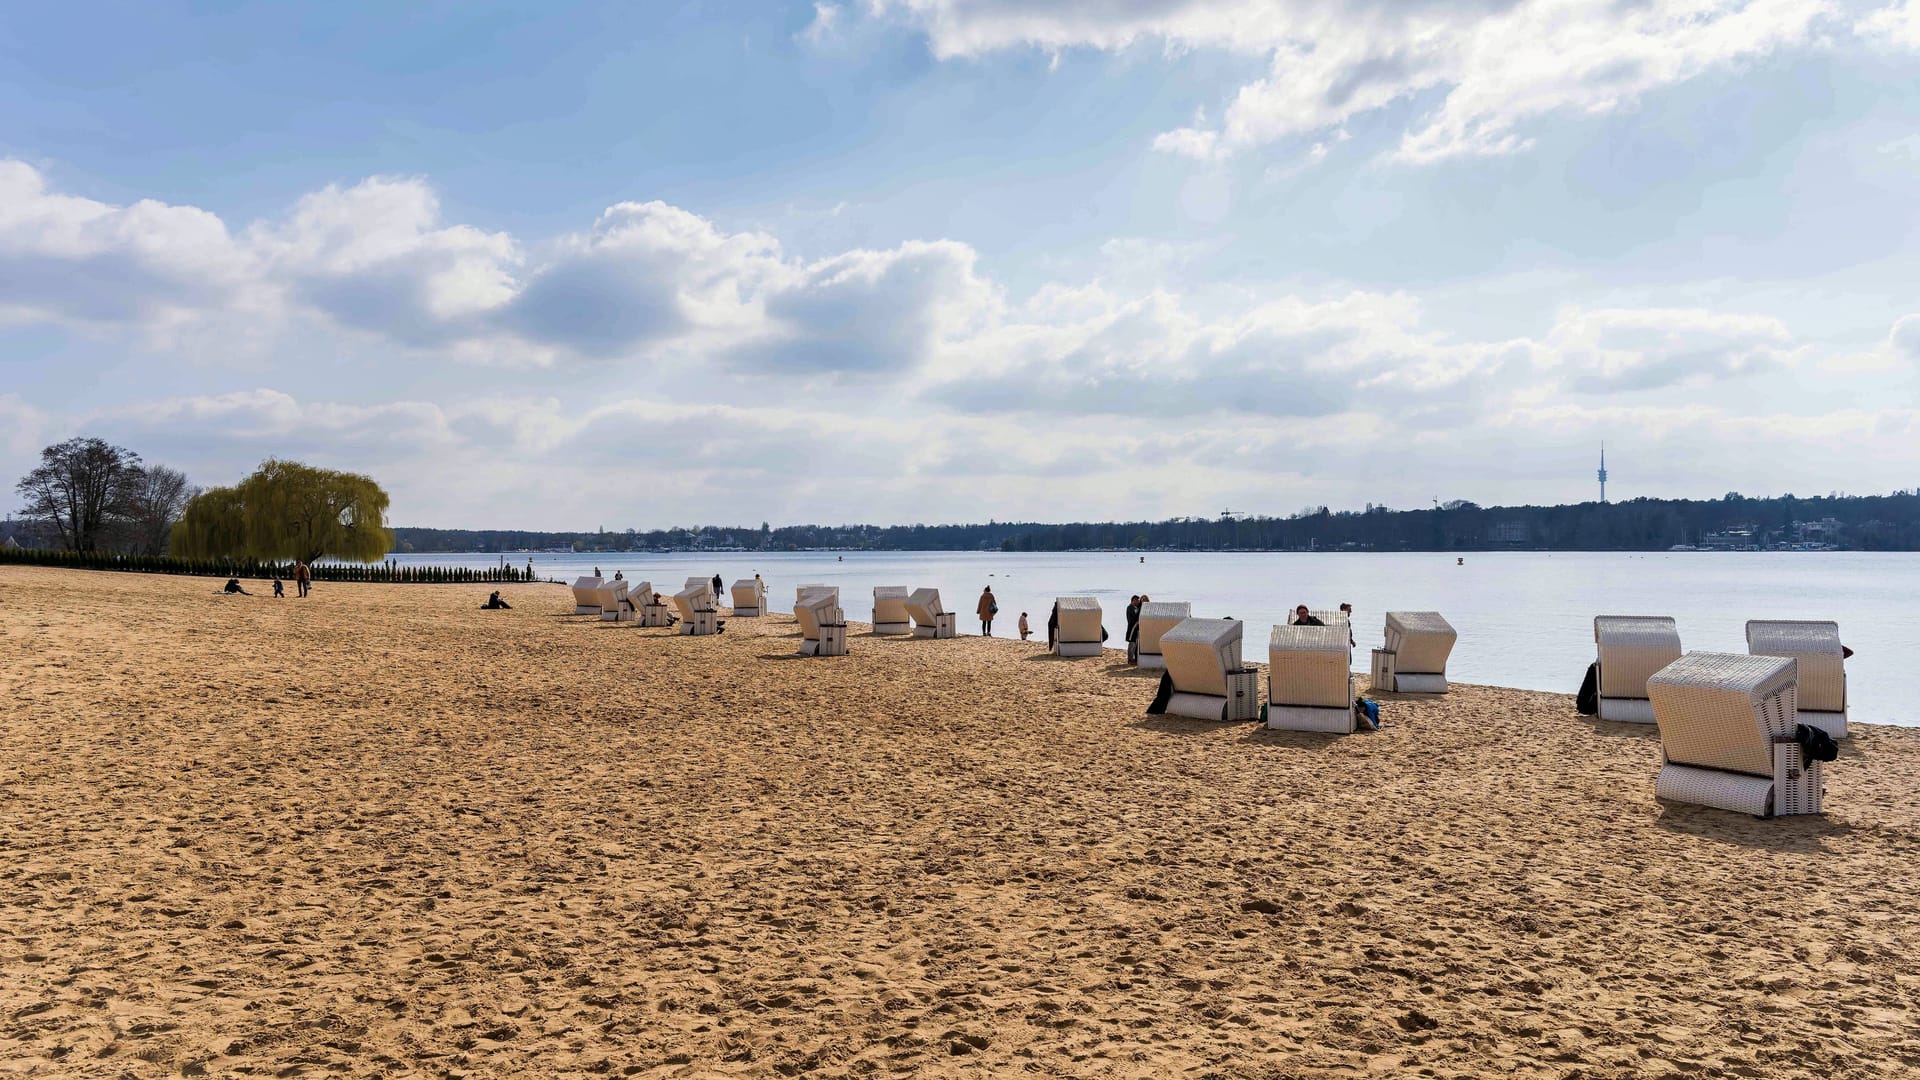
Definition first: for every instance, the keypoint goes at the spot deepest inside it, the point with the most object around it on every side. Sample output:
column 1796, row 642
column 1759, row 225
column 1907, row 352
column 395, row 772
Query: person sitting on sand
column 1024, row 631
column 233, row 586
column 279, row 590
column 1302, row 618
column 494, row 603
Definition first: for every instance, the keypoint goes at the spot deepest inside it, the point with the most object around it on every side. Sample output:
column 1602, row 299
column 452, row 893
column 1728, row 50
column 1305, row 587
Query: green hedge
column 260, row 568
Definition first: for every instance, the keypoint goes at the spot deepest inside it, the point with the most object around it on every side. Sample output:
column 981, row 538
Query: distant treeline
column 1871, row 523
column 255, row 568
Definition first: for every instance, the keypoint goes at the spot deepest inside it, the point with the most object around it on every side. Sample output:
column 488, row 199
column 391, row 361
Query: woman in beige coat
column 986, row 608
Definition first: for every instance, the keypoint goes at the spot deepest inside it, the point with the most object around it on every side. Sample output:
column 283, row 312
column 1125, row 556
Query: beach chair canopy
column 924, row 605
column 1631, row 649
column 1722, row 710
column 814, row 611
column 1816, row 645
column 1200, row 652
column 890, row 604
column 1079, row 618
column 1309, row 666
column 801, row 593
column 1157, row 618
column 1421, row 641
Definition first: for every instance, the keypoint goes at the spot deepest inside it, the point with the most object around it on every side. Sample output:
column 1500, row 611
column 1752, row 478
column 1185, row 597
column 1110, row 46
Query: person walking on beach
column 719, row 587
column 279, row 590
column 1347, row 610
column 1024, row 631
column 1053, row 625
column 1133, row 630
column 986, row 608
column 302, row 577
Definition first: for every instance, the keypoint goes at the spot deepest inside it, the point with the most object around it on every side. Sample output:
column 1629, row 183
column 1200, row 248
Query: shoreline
column 383, row 830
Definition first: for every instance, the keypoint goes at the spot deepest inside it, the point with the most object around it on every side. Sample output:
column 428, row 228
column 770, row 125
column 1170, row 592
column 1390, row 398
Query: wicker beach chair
column 1727, row 733
column 749, row 598
column 612, row 598
column 585, row 598
column 1309, row 679
column 1156, row 618
column 890, row 615
column 650, row 608
column 698, row 616
column 802, row 592
column 1204, row 675
column 1080, row 632
column 929, row 618
column 1631, row 649
column 1822, row 695
column 823, row 628
column 1420, row 642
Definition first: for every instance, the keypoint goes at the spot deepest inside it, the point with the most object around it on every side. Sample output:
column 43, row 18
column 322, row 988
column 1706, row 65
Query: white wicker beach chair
column 802, row 592
column 698, row 615
column 612, row 598
column 1420, row 642
column 585, row 598
column 650, row 608
column 890, row 615
column 929, row 618
column 1631, row 648
column 749, row 598
column 1309, row 679
column 823, row 628
column 1336, row 617
column 1156, row 618
column 1205, row 677
column 1726, row 730
column 1080, row 633
column 1822, row 694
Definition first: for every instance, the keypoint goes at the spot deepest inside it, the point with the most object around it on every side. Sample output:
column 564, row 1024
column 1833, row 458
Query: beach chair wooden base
column 1795, row 788
column 1626, row 710
column 655, row 615
column 832, row 641
column 945, row 625
column 1078, row 648
column 1150, row 661
column 1833, row 723
column 893, row 628
column 701, row 624
column 586, row 609
column 1413, row 682
column 1309, row 718
column 746, row 612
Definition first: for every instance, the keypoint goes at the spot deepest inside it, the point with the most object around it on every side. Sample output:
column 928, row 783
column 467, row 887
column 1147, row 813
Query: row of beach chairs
column 1733, row 727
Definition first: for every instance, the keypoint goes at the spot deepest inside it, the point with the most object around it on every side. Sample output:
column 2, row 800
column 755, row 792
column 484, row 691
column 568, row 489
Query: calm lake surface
column 1525, row 618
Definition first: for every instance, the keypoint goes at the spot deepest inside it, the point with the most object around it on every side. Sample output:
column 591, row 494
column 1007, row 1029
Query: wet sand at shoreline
column 383, row 832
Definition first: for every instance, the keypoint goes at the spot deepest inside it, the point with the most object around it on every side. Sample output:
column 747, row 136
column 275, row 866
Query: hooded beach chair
column 1080, row 632
column 585, row 598
column 698, row 615
column 612, row 598
column 1205, row 677
column 823, row 628
column 1417, row 646
column 1631, row 649
column 1156, row 618
column 929, row 618
column 1727, row 724
column 749, row 598
column 890, row 615
column 1822, row 691
column 802, row 592
column 1309, row 679
column 650, row 608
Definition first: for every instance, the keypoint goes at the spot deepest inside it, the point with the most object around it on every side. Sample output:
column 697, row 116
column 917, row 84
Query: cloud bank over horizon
column 688, row 355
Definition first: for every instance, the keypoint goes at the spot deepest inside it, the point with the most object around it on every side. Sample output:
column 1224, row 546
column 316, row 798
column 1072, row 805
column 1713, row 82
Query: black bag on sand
column 1159, row 706
column 1815, row 744
column 1588, row 700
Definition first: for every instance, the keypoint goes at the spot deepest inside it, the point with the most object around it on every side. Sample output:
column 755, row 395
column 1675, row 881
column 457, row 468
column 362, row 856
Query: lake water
column 1525, row 619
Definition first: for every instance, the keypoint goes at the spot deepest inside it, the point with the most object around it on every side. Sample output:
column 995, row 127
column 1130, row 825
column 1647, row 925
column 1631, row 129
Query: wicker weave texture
column 1816, row 645
column 1157, row 618
column 890, row 605
column 1712, row 787
column 924, row 606
column 1304, row 718
column 584, row 589
column 748, row 595
column 1309, row 665
column 802, row 592
column 1632, row 648
column 1722, row 710
column 1079, row 619
column 640, row 594
column 816, row 612
column 1421, row 641
column 1199, row 652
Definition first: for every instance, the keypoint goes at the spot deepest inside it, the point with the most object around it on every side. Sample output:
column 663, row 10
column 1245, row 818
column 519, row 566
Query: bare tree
column 160, row 496
column 83, row 486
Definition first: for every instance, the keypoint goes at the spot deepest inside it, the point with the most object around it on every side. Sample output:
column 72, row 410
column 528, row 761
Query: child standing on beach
column 1023, row 626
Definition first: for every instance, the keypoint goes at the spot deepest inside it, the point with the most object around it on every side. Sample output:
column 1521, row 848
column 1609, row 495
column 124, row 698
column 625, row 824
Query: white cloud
column 1896, row 24
column 1614, row 350
column 1495, row 64
column 1904, row 341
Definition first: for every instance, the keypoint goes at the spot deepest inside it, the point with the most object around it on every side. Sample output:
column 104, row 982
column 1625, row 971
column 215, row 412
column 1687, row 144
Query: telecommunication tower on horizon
column 1603, row 472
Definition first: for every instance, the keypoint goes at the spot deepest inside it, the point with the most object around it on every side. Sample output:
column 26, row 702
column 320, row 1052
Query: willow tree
column 287, row 510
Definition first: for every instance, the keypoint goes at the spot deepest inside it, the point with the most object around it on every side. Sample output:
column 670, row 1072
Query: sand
column 381, row 832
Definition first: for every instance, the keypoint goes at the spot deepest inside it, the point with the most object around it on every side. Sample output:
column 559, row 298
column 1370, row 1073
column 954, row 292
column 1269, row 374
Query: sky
column 579, row 266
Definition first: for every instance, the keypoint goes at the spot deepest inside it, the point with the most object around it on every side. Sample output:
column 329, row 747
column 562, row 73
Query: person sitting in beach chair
column 494, row 603
column 1302, row 617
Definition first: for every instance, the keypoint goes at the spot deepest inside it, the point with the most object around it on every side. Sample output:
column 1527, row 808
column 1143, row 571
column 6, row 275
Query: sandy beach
column 381, row 832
